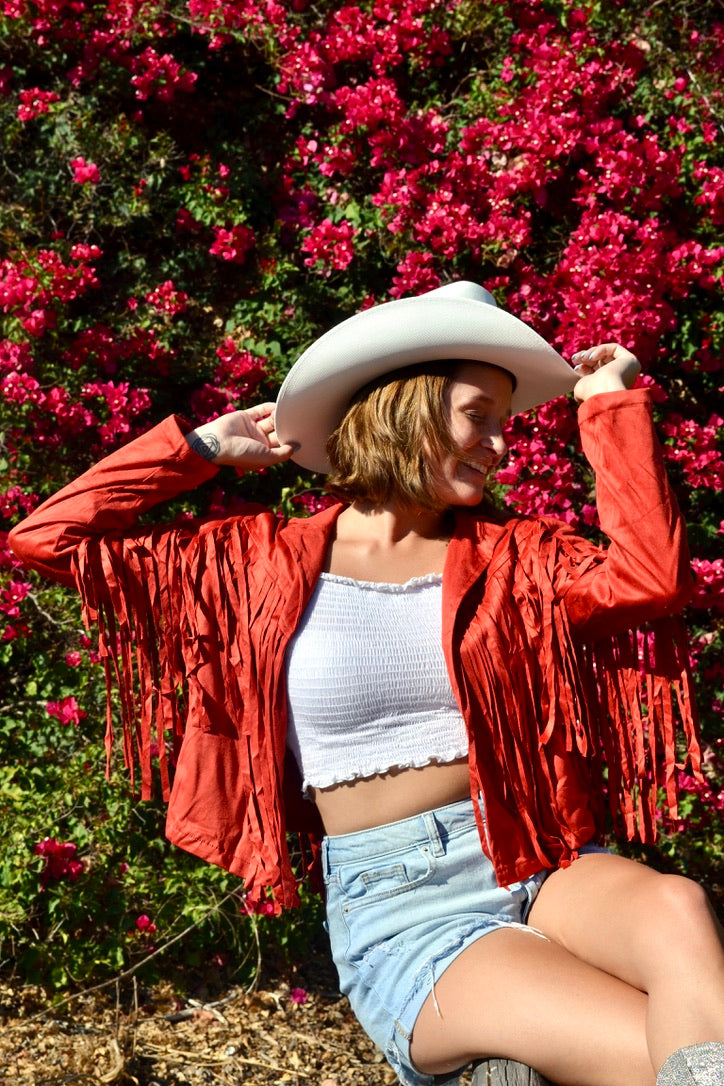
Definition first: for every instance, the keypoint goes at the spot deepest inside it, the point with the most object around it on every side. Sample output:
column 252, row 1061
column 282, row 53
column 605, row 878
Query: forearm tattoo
column 209, row 447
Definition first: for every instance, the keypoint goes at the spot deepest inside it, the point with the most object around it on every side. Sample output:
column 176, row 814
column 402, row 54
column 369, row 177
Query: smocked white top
column 367, row 684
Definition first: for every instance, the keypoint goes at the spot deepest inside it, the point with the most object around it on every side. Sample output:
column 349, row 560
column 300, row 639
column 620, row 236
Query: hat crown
column 463, row 288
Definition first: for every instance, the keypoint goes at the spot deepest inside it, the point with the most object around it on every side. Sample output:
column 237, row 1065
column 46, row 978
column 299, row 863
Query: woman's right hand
column 245, row 440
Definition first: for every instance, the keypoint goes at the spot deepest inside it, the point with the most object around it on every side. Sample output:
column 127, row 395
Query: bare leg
column 656, row 932
column 517, row 996
column 633, row 971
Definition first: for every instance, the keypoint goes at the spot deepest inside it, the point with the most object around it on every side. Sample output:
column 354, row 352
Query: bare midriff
column 400, row 793
column 391, row 546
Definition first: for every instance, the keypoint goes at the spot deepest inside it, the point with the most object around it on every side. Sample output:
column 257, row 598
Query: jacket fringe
column 637, row 696
column 643, row 681
column 132, row 591
column 560, row 717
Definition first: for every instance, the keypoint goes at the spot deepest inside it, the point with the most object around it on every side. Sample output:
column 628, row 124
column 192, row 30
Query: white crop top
column 367, row 684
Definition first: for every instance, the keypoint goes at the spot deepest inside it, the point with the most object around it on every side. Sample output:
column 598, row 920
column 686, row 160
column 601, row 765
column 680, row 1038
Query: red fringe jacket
column 564, row 699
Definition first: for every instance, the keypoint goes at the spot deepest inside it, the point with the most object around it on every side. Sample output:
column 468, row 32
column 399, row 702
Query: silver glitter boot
column 697, row 1065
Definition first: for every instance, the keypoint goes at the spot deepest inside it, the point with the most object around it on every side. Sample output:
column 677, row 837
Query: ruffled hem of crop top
column 385, row 586
column 367, row 684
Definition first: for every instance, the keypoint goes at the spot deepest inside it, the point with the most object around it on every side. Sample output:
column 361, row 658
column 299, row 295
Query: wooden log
column 506, row 1073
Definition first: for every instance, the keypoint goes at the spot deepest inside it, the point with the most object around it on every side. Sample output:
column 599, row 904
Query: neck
column 390, row 524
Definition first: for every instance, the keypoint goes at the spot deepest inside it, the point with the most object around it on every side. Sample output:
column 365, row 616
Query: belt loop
column 324, row 853
column 433, row 833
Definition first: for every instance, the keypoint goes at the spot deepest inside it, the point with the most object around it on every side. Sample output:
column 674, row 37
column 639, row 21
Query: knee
column 683, row 899
column 681, row 915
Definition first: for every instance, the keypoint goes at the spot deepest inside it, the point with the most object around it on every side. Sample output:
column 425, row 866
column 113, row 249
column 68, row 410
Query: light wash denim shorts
column 403, row 901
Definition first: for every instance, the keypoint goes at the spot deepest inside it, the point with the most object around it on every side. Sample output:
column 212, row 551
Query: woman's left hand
column 609, row 367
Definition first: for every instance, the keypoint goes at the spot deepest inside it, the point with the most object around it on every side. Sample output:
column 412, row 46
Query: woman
column 446, row 681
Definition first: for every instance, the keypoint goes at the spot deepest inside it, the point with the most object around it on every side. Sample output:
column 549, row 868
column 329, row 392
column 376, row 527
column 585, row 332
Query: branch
column 134, row 968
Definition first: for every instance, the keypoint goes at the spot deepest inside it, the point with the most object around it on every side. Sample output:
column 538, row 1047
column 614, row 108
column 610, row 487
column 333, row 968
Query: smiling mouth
column 480, row 469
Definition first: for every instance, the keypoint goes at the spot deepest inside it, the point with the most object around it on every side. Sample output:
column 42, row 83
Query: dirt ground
column 157, row 1038
column 292, row 1029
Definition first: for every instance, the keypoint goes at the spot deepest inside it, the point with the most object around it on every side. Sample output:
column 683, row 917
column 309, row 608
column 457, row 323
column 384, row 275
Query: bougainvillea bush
column 190, row 193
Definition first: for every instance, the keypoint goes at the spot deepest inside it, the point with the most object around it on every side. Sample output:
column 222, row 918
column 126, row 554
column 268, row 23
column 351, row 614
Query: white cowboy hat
column 458, row 321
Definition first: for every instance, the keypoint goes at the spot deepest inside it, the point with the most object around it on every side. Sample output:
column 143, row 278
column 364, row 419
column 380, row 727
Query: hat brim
column 317, row 390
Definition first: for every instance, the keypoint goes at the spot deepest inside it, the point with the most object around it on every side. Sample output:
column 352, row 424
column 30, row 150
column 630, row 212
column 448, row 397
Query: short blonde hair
column 394, row 426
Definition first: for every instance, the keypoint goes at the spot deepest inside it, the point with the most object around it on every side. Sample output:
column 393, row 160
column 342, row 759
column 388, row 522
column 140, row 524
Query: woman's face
column 477, row 405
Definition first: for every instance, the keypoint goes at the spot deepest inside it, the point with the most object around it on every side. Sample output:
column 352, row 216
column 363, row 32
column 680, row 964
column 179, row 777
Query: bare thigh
column 627, row 919
column 517, row 996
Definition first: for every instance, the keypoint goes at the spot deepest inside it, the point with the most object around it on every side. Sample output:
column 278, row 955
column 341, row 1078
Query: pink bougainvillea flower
column 12, row 596
column 82, row 251
column 167, row 299
column 695, row 446
column 185, row 222
column 236, row 377
column 233, row 244
column 312, row 503
column 67, row 710
column 35, row 102
column 416, row 274
column 260, row 906
column 85, row 173
column 709, row 591
column 60, row 860
column 298, row 995
column 39, row 321
column 330, row 246
column 94, row 655
column 160, row 76
column 15, row 356
column 121, row 401
column 238, row 369
column 15, row 500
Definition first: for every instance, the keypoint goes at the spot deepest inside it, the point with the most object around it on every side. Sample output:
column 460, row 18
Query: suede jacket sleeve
column 645, row 572
column 109, row 497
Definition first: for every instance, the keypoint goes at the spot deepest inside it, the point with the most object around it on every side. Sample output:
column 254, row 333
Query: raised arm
column 159, row 465
column 646, row 573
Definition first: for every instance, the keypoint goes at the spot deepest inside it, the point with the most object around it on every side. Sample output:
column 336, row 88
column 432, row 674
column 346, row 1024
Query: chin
column 469, row 500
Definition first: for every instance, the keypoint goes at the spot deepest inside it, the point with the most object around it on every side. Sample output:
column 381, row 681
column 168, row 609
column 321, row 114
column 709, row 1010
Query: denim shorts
column 403, row 901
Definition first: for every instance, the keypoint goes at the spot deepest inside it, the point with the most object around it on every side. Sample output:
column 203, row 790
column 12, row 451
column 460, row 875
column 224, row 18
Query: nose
column 495, row 442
